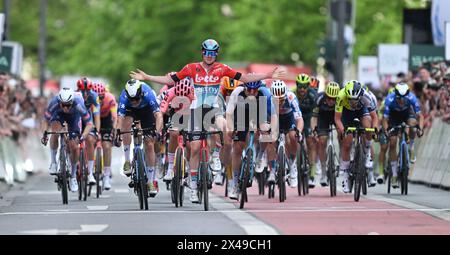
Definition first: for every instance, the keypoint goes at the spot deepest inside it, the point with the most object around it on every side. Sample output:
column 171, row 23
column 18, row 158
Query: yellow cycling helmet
column 391, row 90
column 332, row 89
column 303, row 80
column 230, row 84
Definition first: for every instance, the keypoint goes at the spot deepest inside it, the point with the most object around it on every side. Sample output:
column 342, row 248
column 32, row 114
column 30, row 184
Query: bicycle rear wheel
column 98, row 170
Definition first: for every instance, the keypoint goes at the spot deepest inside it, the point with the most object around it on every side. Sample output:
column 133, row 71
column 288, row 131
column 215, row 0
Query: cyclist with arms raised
column 206, row 76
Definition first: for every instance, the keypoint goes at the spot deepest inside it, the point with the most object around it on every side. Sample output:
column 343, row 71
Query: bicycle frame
column 250, row 146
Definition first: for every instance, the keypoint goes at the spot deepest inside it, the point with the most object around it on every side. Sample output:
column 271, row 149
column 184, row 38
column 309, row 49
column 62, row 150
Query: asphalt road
column 36, row 208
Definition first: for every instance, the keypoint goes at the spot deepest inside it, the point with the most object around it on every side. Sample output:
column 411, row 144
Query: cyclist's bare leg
column 321, row 149
column 55, row 127
column 150, row 157
column 225, row 153
column 291, row 145
column 74, row 150
column 312, row 155
column 412, row 132
column 194, row 162
column 90, row 146
column 107, row 150
column 238, row 147
column 393, row 154
column 126, row 126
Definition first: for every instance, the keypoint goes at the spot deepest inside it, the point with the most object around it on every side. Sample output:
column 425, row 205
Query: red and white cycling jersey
column 206, row 83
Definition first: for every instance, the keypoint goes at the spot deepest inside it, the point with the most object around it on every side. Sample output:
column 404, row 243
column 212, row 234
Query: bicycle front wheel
column 62, row 176
column 98, row 170
column 282, row 174
column 359, row 170
column 141, row 181
column 404, row 170
column 204, row 175
column 245, row 180
column 331, row 171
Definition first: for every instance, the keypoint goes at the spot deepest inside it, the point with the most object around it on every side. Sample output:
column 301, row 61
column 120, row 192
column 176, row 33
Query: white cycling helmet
column 133, row 89
column 278, row 89
column 66, row 95
column 401, row 89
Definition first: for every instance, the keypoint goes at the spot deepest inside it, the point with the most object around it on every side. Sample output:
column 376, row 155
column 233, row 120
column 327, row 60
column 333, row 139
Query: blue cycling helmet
column 210, row 44
column 253, row 84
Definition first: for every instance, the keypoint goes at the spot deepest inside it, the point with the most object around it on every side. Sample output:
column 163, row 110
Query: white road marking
column 44, row 192
column 443, row 214
column 121, row 191
column 83, row 229
column 97, row 207
column 245, row 220
column 228, row 211
column 373, row 233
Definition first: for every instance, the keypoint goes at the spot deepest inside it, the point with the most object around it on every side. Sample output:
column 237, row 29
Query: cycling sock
column 394, row 168
column 73, row 174
column 411, row 144
column 368, row 145
column 150, row 173
column 292, row 157
column 216, row 152
column 313, row 170
column 380, row 169
column 194, row 178
column 90, row 166
column 272, row 165
column 344, row 166
column 171, row 157
column 53, row 155
column 107, row 171
column 126, row 150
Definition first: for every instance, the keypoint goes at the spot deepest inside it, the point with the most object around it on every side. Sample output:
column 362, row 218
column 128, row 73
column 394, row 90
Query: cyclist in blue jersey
column 401, row 106
column 290, row 118
column 67, row 107
column 92, row 104
column 138, row 102
column 249, row 107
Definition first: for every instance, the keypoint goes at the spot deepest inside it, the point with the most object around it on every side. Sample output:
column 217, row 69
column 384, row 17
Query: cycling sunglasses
column 210, row 53
column 252, row 91
column 66, row 105
column 302, row 86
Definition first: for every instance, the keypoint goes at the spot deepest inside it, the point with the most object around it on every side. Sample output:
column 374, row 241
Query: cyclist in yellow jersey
column 353, row 102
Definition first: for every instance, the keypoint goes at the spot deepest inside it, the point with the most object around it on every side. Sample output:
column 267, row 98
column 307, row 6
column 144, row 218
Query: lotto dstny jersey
column 410, row 102
column 206, row 82
column 148, row 98
column 365, row 101
column 78, row 108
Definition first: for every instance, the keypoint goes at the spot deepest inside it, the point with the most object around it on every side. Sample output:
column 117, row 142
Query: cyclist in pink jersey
column 206, row 76
column 108, row 119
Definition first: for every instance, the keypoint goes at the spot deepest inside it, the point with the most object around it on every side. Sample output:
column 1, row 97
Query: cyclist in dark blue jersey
column 67, row 107
column 138, row 102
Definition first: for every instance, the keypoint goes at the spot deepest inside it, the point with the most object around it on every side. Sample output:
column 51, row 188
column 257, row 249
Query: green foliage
column 110, row 38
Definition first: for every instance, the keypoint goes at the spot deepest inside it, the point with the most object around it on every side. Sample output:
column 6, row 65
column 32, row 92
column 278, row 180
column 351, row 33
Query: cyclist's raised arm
column 274, row 74
column 141, row 75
